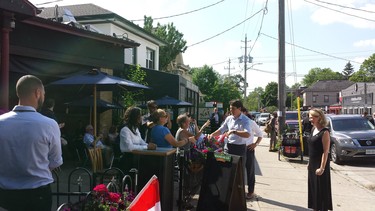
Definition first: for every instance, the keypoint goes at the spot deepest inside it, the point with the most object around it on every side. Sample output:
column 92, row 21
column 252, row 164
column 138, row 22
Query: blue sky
column 326, row 38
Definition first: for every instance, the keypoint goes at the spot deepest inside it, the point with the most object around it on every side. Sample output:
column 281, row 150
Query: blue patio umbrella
column 168, row 101
column 89, row 102
column 101, row 81
column 101, row 105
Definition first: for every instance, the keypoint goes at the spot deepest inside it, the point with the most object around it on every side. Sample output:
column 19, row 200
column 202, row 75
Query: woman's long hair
column 131, row 118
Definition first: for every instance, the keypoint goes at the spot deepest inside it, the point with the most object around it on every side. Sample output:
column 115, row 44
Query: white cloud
column 354, row 18
column 365, row 43
column 360, row 59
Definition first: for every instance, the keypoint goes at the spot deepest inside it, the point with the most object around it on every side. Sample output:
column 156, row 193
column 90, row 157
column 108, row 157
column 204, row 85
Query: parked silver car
column 352, row 136
column 263, row 118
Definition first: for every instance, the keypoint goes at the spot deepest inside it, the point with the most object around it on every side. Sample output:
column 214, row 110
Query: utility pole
column 281, row 103
column 245, row 65
column 229, row 68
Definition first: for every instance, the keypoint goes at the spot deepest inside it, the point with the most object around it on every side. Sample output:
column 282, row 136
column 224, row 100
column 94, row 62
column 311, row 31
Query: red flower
column 205, row 150
column 114, row 197
column 101, row 188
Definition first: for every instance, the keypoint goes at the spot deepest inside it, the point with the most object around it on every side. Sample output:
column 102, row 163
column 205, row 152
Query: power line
column 219, row 63
column 339, row 11
column 244, row 26
column 184, row 13
column 265, row 11
column 48, row 2
column 336, row 57
column 339, row 5
column 291, row 31
column 225, row 30
column 273, row 59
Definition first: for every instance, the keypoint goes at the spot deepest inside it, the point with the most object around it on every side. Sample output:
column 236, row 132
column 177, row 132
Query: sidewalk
column 282, row 185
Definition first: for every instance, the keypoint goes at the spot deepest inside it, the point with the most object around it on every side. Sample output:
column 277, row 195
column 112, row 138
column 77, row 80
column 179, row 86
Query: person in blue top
column 161, row 135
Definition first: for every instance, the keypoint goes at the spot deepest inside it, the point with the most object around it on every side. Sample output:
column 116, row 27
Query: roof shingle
column 77, row 10
column 329, row 86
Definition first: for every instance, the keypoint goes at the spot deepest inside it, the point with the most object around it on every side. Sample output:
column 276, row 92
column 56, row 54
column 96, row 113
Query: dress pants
column 238, row 149
column 250, row 170
column 38, row 199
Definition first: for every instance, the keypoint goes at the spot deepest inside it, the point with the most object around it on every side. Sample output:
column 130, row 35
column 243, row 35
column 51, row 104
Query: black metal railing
column 84, row 180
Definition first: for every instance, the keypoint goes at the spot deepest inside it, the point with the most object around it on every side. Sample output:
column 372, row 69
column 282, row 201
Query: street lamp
column 245, row 84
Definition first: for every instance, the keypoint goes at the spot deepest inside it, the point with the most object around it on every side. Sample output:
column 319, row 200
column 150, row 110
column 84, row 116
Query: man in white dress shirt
column 250, row 156
column 30, row 149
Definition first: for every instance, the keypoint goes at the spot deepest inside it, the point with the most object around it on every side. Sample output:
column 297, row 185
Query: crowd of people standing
column 40, row 136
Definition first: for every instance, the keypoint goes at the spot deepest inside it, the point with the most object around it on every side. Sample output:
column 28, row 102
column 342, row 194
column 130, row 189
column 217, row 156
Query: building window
column 131, row 56
column 150, row 59
column 314, row 98
column 326, row 98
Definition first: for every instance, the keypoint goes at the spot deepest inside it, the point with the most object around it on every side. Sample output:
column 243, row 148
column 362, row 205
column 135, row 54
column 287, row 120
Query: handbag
column 268, row 128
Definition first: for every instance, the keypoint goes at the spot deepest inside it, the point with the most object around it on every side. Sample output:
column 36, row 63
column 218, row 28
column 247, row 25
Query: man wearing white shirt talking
column 250, row 156
column 236, row 128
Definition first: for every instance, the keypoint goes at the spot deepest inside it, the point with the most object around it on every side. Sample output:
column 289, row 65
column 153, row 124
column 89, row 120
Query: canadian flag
column 148, row 199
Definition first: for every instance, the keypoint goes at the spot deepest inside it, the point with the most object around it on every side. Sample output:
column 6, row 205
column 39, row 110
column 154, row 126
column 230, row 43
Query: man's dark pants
column 240, row 150
column 38, row 199
column 250, row 170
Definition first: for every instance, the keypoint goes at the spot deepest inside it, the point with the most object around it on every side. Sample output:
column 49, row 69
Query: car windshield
column 291, row 116
column 264, row 115
column 351, row 124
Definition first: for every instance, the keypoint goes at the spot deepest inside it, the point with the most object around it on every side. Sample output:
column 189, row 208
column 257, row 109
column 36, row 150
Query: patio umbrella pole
column 90, row 114
column 95, row 110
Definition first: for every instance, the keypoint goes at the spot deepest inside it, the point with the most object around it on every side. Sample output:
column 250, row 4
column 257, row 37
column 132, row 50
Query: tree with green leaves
column 369, row 65
column 292, row 94
column 317, row 74
column 237, row 79
column 366, row 72
column 348, row 71
column 253, row 100
column 226, row 90
column 269, row 97
column 206, row 78
column 135, row 74
column 216, row 87
column 174, row 39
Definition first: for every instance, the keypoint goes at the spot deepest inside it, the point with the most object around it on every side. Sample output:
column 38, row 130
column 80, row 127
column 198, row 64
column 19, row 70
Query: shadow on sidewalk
column 282, row 205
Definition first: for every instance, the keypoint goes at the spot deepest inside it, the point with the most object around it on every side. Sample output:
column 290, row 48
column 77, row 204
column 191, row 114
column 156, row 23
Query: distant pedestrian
column 319, row 176
column 147, row 124
column 273, row 139
column 214, row 120
column 30, row 149
column 47, row 110
column 306, row 125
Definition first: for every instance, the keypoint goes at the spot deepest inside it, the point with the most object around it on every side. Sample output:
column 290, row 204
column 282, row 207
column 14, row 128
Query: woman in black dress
column 319, row 177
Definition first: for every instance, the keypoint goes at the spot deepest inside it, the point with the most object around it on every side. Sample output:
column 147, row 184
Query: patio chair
column 96, row 158
column 81, row 151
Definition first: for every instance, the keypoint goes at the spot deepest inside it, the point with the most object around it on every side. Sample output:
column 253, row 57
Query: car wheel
column 334, row 155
